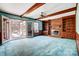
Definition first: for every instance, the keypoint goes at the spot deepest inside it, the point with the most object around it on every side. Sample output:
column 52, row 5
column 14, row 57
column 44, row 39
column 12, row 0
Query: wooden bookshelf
column 68, row 30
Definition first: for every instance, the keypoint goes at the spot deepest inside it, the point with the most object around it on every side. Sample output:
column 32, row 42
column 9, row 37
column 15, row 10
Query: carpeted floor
column 39, row 46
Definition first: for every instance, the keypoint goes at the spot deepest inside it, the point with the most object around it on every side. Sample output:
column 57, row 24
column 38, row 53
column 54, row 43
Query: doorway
column 5, row 29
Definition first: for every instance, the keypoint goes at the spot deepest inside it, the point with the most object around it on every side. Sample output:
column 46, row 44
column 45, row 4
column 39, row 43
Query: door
column 29, row 29
column 5, row 29
column 18, row 29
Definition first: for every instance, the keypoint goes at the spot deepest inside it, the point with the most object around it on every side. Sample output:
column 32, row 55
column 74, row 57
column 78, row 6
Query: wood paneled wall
column 66, row 30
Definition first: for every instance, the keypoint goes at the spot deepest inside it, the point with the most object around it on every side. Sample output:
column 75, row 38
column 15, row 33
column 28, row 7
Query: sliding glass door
column 18, row 29
column 22, row 29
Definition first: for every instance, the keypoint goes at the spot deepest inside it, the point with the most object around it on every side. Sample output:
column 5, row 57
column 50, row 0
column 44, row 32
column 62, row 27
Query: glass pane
column 29, row 29
column 18, row 29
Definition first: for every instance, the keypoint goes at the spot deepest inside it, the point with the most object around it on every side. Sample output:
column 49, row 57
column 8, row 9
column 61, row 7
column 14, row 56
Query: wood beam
column 34, row 7
column 60, row 12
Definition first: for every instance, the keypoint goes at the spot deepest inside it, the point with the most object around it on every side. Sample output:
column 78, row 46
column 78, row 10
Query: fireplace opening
column 55, row 32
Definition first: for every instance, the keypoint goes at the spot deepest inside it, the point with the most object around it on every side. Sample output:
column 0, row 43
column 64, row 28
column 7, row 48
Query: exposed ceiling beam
column 57, row 13
column 34, row 7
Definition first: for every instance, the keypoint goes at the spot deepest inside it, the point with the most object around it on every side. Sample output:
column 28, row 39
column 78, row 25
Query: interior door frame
column 3, row 40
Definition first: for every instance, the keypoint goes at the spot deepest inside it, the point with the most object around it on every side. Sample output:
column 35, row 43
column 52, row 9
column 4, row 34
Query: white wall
column 77, row 19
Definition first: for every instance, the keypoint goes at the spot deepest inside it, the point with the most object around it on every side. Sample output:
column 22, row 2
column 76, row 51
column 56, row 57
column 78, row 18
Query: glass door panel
column 18, row 29
column 29, row 29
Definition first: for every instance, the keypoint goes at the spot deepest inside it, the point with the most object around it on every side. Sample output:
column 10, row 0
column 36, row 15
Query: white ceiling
column 59, row 16
column 48, row 8
column 15, row 8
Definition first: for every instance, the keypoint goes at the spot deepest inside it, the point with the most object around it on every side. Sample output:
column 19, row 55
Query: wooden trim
column 34, row 7
column 76, row 8
column 60, row 12
column 70, row 16
column 64, row 17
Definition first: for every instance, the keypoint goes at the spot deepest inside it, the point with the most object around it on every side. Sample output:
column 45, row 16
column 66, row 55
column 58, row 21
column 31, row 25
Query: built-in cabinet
column 68, row 27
